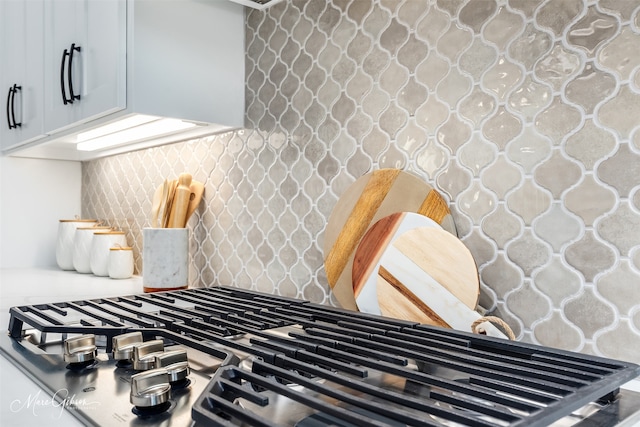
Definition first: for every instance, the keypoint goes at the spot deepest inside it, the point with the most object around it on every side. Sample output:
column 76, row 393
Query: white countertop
column 23, row 286
column 22, row 402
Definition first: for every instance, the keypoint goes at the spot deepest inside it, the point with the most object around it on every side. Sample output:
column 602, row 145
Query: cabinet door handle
column 16, row 88
column 64, row 95
column 9, row 107
column 69, row 79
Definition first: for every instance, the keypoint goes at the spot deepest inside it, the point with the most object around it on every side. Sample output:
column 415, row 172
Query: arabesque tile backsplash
column 524, row 114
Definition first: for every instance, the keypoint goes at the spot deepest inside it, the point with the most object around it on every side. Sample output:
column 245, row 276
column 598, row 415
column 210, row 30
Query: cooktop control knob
column 80, row 351
column 123, row 347
column 176, row 364
column 144, row 354
column 150, row 391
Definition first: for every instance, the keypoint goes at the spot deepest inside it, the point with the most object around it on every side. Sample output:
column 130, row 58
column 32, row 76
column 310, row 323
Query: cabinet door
column 105, row 60
column 21, row 40
column 62, row 30
column 85, row 54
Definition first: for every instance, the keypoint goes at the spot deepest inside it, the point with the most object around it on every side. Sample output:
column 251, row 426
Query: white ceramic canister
column 165, row 259
column 82, row 247
column 120, row 262
column 64, row 244
column 101, row 245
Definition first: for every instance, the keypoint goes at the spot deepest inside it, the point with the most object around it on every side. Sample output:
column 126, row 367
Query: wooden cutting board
column 429, row 276
column 366, row 260
column 370, row 198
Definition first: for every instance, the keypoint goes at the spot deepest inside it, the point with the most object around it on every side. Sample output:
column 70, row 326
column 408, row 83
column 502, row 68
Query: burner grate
column 494, row 382
column 337, row 367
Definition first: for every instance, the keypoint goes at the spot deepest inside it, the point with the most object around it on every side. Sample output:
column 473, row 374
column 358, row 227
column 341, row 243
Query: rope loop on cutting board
column 495, row 320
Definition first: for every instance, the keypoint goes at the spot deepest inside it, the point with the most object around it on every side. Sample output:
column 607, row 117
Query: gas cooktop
column 226, row 357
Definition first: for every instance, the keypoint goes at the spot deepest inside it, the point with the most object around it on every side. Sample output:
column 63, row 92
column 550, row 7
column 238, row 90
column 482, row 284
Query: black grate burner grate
column 340, row 367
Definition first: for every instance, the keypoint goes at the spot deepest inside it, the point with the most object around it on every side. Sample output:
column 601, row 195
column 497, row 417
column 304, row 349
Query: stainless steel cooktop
column 262, row 360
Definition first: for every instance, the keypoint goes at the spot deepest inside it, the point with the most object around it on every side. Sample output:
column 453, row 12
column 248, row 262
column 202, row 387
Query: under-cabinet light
column 120, row 125
column 129, row 130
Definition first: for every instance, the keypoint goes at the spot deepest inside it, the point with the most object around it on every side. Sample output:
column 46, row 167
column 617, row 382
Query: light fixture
column 257, row 4
column 131, row 129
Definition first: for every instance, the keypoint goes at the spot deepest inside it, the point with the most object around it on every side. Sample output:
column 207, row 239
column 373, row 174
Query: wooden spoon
column 197, row 190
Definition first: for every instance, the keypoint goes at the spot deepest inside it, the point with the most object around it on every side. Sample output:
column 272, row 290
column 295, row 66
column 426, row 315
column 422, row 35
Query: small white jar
column 64, row 243
column 100, row 247
column 120, row 262
column 82, row 247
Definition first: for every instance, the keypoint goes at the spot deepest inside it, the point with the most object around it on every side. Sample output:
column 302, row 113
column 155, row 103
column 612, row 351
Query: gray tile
column 587, row 35
column 522, row 113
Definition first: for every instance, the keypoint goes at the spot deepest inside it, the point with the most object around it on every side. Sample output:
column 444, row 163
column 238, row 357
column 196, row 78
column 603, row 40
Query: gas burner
column 150, row 391
column 80, row 352
column 123, row 348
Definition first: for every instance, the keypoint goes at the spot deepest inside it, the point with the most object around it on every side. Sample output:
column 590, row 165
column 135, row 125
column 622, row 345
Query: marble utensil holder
column 165, row 259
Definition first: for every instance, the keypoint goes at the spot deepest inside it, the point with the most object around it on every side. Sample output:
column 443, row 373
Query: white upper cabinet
column 85, row 60
column 101, row 63
column 21, row 75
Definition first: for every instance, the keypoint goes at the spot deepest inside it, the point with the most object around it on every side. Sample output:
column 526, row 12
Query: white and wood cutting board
column 370, row 198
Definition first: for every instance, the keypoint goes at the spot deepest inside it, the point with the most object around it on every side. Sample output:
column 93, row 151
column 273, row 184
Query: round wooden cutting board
column 366, row 260
column 370, row 198
column 429, row 276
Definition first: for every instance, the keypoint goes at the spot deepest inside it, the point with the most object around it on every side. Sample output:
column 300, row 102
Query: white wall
column 34, row 195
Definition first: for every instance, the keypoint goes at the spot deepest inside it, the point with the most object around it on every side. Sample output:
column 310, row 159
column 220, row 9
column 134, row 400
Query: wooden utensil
column 370, row 198
column 197, row 190
column 155, row 204
column 170, row 193
column 180, row 202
